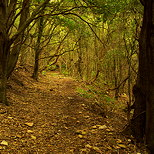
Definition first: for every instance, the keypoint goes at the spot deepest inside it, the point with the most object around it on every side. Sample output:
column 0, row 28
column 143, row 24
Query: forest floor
column 50, row 117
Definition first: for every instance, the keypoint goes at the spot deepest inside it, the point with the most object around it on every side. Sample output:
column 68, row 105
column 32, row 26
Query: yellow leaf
column 83, row 150
column 119, row 141
column 1, row 147
column 80, row 136
column 108, row 147
column 102, row 127
column 4, row 143
column 94, row 127
column 70, row 97
column 122, row 145
column 19, row 136
column 29, row 131
column 88, row 146
column 33, row 137
column 94, row 131
column 129, row 140
column 29, row 124
column 97, row 149
column 10, row 117
column 116, row 147
column 81, row 132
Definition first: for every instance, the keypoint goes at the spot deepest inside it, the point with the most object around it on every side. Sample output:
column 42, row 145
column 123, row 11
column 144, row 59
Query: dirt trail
column 49, row 117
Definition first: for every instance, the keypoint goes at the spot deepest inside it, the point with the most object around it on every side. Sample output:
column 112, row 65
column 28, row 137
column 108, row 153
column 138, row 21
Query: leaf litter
column 59, row 121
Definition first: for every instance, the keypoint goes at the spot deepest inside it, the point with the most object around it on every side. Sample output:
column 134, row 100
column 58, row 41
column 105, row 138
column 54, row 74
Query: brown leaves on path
column 50, row 117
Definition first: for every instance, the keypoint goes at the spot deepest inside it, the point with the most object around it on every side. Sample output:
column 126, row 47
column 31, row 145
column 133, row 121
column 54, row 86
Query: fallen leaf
column 10, row 117
column 116, row 147
column 1, row 147
column 29, row 131
column 80, row 136
column 87, row 116
column 93, row 147
column 83, row 150
column 94, row 131
column 19, row 136
column 33, row 137
column 94, row 127
column 98, row 125
column 97, row 149
column 29, row 124
column 122, row 146
column 88, row 146
column 119, row 141
column 108, row 147
column 129, row 140
column 102, row 127
column 4, row 143
column 82, row 132
column 70, row 97
column 65, row 116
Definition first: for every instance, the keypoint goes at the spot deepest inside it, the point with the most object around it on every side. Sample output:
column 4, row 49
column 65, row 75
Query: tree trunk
column 149, row 28
column 7, row 60
column 36, row 66
column 3, row 83
column 4, row 51
column 37, row 48
column 13, row 58
column 142, row 123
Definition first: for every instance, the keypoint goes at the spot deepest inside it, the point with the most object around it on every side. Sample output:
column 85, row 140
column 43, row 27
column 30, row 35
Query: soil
column 49, row 116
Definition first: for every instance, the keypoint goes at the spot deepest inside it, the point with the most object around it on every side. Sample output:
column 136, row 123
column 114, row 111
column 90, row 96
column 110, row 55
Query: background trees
column 14, row 21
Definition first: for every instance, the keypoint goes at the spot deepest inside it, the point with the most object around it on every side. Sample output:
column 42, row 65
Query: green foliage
column 39, row 1
column 84, row 93
column 106, row 9
column 43, row 72
column 67, row 22
column 65, row 72
column 109, row 99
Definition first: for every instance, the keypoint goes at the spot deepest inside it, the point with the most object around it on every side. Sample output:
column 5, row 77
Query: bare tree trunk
column 13, row 58
column 142, row 123
column 4, row 51
column 148, row 27
column 37, row 48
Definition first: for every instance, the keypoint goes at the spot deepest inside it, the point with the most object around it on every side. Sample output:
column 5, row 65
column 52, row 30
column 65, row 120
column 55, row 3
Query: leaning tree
column 14, row 19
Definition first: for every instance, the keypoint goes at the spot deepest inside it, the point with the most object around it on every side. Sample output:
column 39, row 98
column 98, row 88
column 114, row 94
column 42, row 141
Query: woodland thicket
column 96, row 41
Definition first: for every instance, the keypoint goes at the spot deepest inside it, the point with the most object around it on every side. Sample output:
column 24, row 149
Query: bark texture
column 142, row 123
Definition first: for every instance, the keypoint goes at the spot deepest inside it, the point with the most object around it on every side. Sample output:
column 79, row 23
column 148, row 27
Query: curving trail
column 49, row 117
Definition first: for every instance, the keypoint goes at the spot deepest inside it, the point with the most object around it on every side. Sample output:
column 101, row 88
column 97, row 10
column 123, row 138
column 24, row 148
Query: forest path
column 49, row 117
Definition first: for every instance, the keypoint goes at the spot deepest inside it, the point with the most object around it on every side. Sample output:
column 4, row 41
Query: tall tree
column 37, row 48
column 142, row 123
